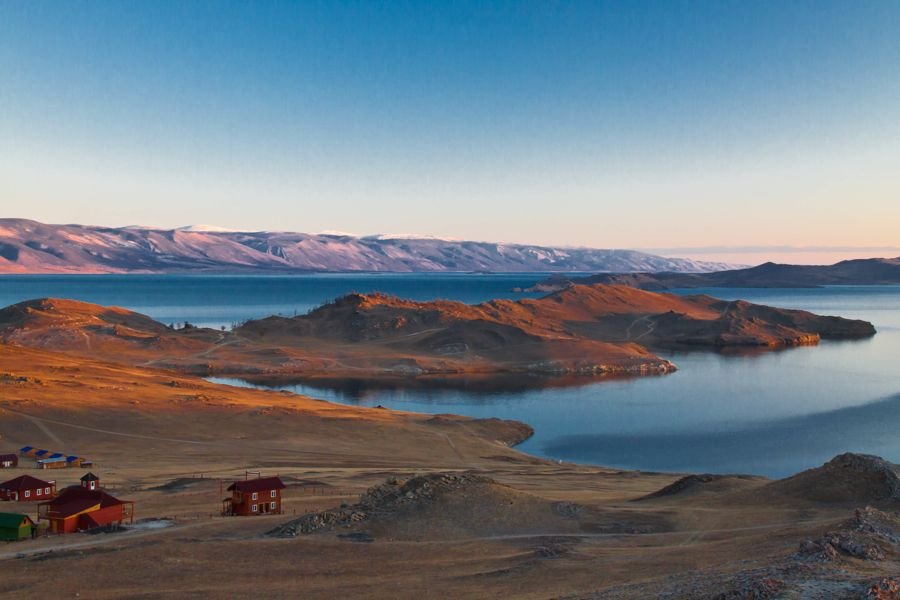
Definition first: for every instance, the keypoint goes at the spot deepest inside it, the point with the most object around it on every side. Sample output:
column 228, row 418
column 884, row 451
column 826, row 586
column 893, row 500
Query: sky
column 723, row 129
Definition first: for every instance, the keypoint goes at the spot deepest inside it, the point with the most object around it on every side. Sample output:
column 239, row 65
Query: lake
column 772, row 413
column 223, row 300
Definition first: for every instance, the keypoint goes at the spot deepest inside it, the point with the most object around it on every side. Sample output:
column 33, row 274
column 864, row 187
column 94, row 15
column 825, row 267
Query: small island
column 581, row 330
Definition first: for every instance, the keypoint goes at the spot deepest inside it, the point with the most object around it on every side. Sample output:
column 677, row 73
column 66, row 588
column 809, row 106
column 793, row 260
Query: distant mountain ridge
column 31, row 247
column 868, row 271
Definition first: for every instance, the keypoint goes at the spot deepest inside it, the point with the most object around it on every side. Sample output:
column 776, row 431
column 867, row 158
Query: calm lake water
column 217, row 300
column 772, row 413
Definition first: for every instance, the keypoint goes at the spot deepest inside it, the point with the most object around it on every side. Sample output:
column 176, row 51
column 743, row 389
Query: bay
column 771, row 413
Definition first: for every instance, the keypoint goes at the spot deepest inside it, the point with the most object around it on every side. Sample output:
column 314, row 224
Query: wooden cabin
column 254, row 497
column 50, row 460
column 61, row 461
column 8, row 461
column 26, row 488
column 15, row 527
column 84, row 507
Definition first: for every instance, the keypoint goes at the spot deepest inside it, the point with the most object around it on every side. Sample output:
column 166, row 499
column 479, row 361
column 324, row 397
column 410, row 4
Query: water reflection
column 358, row 389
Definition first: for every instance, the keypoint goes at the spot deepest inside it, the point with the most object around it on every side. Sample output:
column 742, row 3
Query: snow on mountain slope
column 32, row 247
column 205, row 228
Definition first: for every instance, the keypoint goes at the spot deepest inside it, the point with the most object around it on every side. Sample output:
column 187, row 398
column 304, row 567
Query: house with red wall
column 83, row 507
column 254, row 497
column 26, row 488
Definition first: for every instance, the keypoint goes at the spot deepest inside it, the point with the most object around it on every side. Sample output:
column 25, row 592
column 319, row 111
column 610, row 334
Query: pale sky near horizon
column 727, row 128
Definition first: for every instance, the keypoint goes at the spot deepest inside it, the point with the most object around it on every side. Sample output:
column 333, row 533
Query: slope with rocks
column 105, row 331
column 848, row 478
column 437, row 506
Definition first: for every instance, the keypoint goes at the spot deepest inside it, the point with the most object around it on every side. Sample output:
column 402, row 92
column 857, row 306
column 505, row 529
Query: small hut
column 8, row 461
column 58, row 462
column 15, row 527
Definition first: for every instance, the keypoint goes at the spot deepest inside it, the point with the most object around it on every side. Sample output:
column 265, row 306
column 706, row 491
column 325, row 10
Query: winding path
column 650, row 327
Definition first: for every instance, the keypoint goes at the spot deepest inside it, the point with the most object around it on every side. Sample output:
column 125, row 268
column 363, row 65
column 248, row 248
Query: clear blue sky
column 612, row 124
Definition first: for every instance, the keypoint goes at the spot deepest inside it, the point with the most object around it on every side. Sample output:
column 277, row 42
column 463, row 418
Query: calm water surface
column 773, row 413
column 217, row 300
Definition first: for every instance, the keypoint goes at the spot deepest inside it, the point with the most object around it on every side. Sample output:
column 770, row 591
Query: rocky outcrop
column 843, row 563
column 867, row 536
column 887, row 588
column 380, row 500
column 846, row 478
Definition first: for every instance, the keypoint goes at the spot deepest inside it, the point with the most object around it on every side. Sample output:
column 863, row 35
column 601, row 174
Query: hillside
column 871, row 271
column 600, row 313
column 32, row 247
column 583, row 330
column 849, row 478
column 73, row 326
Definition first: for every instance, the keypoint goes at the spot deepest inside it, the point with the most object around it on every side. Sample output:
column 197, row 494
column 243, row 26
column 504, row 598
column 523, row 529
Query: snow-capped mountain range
column 31, row 247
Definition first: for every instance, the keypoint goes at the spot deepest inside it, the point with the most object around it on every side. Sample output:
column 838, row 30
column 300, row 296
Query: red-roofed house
column 79, row 508
column 254, row 497
column 26, row 488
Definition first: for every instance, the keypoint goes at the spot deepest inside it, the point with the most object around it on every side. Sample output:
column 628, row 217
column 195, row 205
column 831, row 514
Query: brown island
column 383, row 503
column 581, row 330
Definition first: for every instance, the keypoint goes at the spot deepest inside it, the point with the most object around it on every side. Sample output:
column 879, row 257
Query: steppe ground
column 169, row 441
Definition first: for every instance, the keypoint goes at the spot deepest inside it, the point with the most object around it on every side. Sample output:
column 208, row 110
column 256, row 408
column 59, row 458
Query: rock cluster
column 555, row 548
column 569, row 510
column 865, row 537
column 396, row 492
column 12, row 378
column 886, row 589
column 759, row 589
column 831, row 546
